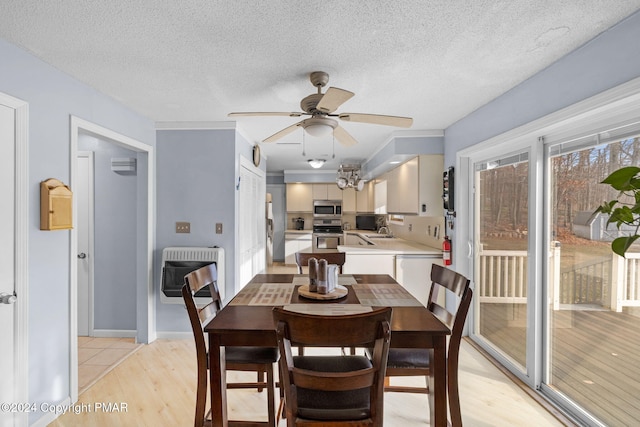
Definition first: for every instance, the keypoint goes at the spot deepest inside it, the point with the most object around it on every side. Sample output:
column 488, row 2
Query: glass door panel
column 594, row 296
column 501, row 261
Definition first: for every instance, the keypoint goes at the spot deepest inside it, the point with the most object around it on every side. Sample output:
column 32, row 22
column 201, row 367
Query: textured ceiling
column 197, row 60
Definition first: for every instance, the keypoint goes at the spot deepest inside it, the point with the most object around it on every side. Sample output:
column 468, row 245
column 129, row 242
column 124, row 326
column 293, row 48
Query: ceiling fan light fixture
column 318, row 126
column 316, row 163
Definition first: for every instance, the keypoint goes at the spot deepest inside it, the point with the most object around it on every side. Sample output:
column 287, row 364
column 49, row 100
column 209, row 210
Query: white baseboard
column 114, row 333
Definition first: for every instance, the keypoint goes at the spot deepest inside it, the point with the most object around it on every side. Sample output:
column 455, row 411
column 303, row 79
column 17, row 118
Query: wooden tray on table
column 339, row 292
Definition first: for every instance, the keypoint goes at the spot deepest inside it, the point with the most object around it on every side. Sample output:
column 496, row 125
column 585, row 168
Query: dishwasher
column 413, row 272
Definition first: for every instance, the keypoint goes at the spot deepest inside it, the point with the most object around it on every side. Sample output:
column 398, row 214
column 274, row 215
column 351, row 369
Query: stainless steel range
column 327, row 233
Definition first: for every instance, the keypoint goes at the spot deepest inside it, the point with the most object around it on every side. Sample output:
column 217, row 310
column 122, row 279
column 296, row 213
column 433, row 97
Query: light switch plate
column 218, row 228
column 183, row 227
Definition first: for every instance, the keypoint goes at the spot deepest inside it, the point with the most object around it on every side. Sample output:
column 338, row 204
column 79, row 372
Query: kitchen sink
column 379, row 236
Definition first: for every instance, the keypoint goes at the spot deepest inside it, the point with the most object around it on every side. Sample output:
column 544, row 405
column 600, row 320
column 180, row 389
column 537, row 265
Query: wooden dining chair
column 333, row 390
column 258, row 359
column 338, row 258
column 415, row 362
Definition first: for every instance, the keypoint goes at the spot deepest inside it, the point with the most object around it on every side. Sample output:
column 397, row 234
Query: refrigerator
column 269, row 230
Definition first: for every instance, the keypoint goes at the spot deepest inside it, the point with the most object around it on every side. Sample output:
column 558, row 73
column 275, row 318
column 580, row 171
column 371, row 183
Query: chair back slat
column 337, row 258
column 311, row 330
column 333, row 381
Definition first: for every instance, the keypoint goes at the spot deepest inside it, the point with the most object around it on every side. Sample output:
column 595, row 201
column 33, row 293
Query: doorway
column 145, row 303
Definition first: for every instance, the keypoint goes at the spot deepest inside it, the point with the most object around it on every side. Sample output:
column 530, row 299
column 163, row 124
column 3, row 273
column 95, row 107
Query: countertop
column 390, row 246
column 381, row 245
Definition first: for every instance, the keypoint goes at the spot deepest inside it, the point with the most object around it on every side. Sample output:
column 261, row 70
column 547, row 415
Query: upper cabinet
column 326, row 192
column 349, row 199
column 380, row 197
column 415, row 187
column 299, row 198
column 364, row 198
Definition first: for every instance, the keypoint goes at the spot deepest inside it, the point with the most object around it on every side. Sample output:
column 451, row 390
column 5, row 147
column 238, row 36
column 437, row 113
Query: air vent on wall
column 123, row 165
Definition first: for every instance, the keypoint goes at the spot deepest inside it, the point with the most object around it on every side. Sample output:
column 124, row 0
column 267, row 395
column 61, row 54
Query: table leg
column 217, row 382
column 438, row 382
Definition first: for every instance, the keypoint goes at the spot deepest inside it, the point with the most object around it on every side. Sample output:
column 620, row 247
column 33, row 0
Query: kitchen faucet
column 386, row 229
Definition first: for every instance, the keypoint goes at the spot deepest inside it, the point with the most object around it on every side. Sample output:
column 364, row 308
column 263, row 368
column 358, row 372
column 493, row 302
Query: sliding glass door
column 552, row 302
column 593, row 314
column 501, row 262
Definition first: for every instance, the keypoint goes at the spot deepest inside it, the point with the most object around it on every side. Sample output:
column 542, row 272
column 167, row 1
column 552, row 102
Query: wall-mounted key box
column 56, row 200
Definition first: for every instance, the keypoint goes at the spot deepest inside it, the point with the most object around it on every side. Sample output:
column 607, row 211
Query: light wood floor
column 157, row 385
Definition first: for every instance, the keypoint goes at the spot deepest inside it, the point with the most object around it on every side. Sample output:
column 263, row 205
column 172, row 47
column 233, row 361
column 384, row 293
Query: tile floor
column 97, row 356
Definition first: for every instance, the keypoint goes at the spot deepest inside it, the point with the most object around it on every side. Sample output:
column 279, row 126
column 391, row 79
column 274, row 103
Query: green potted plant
column 626, row 181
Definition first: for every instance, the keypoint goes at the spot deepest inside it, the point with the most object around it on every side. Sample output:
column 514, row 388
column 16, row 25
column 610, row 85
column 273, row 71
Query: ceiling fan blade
column 403, row 122
column 344, row 137
column 333, row 98
column 283, row 132
column 249, row 114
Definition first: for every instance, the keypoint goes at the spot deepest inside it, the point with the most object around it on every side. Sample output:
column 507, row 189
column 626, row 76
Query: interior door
column 7, row 263
column 84, row 197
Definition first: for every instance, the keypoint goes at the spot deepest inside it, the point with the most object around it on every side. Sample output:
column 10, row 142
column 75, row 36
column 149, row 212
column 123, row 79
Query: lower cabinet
column 296, row 242
column 369, row 264
column 413, row 272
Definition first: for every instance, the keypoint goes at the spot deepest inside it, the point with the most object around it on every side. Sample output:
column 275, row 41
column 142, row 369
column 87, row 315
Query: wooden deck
column 595, row 353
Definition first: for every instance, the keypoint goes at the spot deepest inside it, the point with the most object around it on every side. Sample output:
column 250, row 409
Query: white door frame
column 145, row 302
column 21, row 230
column 90, row 235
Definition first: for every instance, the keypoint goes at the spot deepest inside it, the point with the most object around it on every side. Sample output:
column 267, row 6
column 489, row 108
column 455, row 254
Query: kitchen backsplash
column 428, row 230
column 308, row 220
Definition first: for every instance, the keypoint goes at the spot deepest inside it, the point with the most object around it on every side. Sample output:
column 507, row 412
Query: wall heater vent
column 177, row 261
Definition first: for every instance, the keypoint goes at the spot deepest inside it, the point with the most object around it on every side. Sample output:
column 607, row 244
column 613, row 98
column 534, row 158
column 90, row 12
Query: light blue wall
column 196, row 176
column 53, row 97
column 610, row 59
column 115, row 197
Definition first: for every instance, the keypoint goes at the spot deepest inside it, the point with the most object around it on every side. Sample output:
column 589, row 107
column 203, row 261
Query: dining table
column 247, row 321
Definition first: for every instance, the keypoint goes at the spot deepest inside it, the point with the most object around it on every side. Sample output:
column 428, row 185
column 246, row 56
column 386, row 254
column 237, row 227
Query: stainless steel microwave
column 327, row 208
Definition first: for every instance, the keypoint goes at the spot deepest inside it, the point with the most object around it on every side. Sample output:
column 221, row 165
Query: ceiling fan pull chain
column 303, row 139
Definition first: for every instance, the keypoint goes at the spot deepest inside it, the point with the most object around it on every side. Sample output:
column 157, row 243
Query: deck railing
column 625, row 281
column 612, row 283
column 503, row 276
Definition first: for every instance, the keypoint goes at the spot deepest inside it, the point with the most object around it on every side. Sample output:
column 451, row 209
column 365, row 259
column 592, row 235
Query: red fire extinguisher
column 446, row 251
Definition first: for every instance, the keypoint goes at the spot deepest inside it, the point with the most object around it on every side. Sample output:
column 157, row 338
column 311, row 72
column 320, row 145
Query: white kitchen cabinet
column 349, row 200
column 380, row 197
column 413, row 272
column 326, row 192
column 364, row 198
column 415, row 187
column 371, row 263
column 299, row 197
column 296, row 242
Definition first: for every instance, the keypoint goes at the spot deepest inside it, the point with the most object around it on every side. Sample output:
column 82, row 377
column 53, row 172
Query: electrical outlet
column 218, row 228
column 183, row 227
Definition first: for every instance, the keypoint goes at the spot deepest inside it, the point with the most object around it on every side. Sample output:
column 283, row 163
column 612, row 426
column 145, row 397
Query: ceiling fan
column 321, row 106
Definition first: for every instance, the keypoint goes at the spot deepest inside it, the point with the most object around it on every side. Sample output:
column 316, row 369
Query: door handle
column 82, row 255
column 8, row 298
